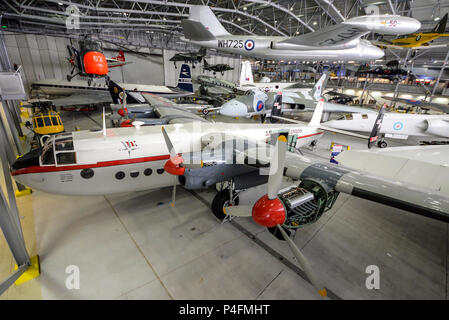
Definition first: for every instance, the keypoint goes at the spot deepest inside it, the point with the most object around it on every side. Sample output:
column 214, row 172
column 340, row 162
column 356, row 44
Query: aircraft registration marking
column 248, row 45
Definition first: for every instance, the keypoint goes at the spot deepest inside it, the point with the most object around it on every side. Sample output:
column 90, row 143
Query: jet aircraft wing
column 167, row 109
column 310, row 106
column 333, row 35
column 78, row 99
column 420, row 103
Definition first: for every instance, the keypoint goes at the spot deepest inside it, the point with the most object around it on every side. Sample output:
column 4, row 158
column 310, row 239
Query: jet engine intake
column 437, row 127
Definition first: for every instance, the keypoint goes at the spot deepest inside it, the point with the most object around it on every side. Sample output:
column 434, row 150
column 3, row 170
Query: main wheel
column 221, row 200
column 382, row 144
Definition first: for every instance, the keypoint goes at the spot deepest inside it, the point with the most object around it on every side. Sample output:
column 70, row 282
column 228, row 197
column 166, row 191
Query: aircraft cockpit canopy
column 58, row 150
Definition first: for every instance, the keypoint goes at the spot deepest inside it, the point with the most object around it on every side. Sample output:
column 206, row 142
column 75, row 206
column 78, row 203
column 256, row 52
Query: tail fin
column 246, row 75
column 185, row 79
column 377, row 125
column 441, row 25
column 121, row 56
column 317, row 90
column 117, row 94
column 115, row 90
column 205, row 15
column 317, row 114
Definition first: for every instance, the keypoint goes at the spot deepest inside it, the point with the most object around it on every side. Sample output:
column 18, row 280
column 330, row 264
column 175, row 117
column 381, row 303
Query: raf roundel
column 249, row 45
column 398, row 126
column 259, row 105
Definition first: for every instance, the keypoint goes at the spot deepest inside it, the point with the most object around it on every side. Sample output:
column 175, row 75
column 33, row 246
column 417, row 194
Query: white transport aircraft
column 334, row 43
column 199, row 154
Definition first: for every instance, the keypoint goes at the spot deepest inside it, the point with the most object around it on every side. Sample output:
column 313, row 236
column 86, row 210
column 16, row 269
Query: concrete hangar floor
column 135, row 246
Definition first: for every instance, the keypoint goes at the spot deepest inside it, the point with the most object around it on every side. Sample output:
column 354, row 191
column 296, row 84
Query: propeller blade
column 303, row 263
column 238, row 211
column 170, row 147
column 277, row 163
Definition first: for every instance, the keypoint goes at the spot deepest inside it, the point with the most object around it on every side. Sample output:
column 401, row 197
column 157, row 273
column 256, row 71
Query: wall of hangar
column 172, row 74
column 46, row 57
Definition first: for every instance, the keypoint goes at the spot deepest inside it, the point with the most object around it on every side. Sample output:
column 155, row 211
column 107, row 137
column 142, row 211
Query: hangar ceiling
column 156, row 23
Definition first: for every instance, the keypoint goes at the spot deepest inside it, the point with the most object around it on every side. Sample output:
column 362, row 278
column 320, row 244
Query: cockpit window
column 48, row 157
column 60, row 146
column 65, row 144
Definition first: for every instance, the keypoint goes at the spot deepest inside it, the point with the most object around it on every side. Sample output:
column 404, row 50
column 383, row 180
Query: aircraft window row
column 134, row 174
column 364, row 116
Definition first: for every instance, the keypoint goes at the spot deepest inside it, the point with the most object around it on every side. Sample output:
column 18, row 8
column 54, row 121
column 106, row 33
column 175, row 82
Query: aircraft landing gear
column 222, row 200
column 382, row 144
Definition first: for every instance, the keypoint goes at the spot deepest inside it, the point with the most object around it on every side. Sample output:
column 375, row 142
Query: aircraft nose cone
column 233, row 108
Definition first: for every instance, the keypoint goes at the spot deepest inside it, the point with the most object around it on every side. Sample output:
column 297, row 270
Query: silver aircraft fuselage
column 260, row 47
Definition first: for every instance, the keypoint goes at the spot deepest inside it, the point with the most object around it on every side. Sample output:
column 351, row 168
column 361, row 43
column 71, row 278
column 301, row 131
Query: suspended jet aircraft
column 419, row 40
column 221, row 67
column 338, row 42
column 200, row 154
column 80, row 93
column 192, row 57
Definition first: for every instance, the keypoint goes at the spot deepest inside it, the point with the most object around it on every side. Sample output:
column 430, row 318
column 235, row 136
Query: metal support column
column 439, row 76
column 9, row 220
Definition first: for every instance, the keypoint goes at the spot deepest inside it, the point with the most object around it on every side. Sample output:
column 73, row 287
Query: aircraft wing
column 359, row 183
column 425, row 166
column 328, row 36
column 328, row 107
column 78, row 99
column 167, row 109
column 420, row 103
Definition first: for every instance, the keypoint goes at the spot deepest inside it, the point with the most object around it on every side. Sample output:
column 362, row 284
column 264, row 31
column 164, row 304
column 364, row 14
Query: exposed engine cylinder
column 306, row 203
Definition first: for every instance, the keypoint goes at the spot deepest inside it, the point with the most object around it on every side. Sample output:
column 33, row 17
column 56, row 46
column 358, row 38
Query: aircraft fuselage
column 128, row 159
column 261, row 47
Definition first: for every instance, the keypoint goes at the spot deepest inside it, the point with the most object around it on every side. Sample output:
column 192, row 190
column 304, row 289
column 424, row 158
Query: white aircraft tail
column 317, row 90
column 246, row 75
column 207, row 18
column 317, row 114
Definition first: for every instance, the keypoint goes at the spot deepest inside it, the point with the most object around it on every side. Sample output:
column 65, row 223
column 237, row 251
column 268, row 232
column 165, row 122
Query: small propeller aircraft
column 418, row 40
